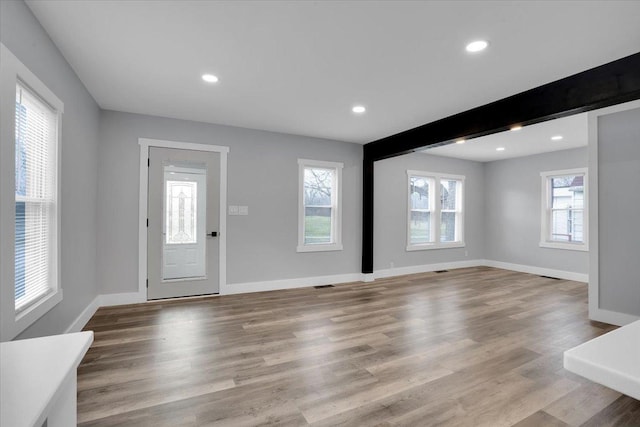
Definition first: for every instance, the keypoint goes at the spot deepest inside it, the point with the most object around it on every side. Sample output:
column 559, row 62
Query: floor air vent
column 323, row 286
column 441, row 271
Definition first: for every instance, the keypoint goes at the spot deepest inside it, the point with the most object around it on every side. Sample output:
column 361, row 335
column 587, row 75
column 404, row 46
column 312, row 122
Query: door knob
column 213, row 234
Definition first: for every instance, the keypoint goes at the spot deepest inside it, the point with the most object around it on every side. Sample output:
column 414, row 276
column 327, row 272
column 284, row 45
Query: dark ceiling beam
column 609, row 84
column 603, row 86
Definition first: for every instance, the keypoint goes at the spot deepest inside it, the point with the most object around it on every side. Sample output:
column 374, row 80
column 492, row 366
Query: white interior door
column 183, row 208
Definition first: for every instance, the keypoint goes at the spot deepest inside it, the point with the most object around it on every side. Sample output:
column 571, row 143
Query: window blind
column 35, row 196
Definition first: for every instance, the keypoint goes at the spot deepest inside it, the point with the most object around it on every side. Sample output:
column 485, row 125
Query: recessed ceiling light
column 516, row 128
column 461, row 141
column 500, row 149
column 209, row 78
column 556, row 137
column 477, row 46
column 358, row 109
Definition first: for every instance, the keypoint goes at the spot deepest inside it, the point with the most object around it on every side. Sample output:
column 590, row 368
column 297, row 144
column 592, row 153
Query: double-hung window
column 36, row 145
column 31, row 145
column 564, row 209
column 435, row 211
column 320, row 206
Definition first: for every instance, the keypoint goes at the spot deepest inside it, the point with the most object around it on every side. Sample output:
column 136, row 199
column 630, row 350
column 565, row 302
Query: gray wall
column 100, row 195
column 263, row 174
column 23, row 35
column 390, row 204
column 619, row 211
column 513, row 211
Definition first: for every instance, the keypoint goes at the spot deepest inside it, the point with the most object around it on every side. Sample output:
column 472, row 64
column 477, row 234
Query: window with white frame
column 30, row 152
column 435, row 211
column 320, row 210
column 564, row 209
column 36, row 145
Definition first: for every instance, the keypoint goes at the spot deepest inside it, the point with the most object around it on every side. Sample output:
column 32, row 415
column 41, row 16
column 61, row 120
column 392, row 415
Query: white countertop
column 612, row 359
column 33, row 371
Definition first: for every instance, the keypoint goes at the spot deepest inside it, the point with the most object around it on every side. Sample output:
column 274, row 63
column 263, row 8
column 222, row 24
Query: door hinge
column 147, row 283
column 147, row 222
column 148, row 162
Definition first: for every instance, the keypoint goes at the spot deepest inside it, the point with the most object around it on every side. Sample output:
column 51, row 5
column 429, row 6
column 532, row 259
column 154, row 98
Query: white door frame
column 595, row 312
column 145, row 144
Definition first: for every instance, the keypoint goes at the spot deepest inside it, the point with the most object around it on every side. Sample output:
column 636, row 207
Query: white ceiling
column 529, row 140
column 299, row 67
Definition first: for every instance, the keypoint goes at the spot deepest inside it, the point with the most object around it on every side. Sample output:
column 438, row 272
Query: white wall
column 512, row 192
column 263, row 174
column 390, row 211
column 23, row 35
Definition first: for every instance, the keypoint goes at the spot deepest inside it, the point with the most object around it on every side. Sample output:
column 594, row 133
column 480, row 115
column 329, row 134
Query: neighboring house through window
column 564, row 209
column 320, row 206
column 435, row 211
column 34, row 150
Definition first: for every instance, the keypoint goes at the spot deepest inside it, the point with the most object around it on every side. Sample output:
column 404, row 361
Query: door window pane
column 185, row 212
column 181, row 208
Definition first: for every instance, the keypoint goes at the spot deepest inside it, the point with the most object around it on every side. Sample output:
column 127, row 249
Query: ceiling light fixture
column 209, row 78
column 477, row 46
column 516, row 128
column 461, row 141
column 358, row 109
column 500, row 149
column 556, row 138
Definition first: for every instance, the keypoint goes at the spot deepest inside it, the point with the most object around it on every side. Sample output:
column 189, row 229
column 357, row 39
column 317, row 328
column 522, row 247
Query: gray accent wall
column 513, row 197
column 24, row 36
column 619, row 211
column 262, row 174
column 390, row 211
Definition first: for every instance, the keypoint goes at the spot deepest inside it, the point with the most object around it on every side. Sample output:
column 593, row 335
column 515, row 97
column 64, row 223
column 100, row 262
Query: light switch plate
column 233, row 210
column 243, row 210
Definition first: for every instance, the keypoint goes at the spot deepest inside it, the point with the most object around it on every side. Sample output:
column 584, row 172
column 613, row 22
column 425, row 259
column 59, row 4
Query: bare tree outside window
column 435, row 216
column 318, row 208
column 420, row 217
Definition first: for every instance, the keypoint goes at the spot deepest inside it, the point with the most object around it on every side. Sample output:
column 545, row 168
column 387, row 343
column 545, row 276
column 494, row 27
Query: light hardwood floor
column 476, row 346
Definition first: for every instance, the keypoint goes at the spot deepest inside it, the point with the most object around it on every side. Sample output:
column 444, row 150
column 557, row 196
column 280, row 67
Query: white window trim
column 436, row 177
column 545, row 241
column 337, row 219
column 12, row 323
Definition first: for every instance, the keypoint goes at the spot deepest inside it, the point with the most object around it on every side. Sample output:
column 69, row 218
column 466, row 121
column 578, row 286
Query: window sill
column 319, row 248
column 24, row 319
column 566, row 246
column 430, row 246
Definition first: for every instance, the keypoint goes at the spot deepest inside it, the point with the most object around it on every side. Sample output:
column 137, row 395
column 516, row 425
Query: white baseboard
column 368, row 277
column 560, row 274
column 414, row 269
column 84, row 317
column 612, row 317
column 107, row 300
column 273, row 285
